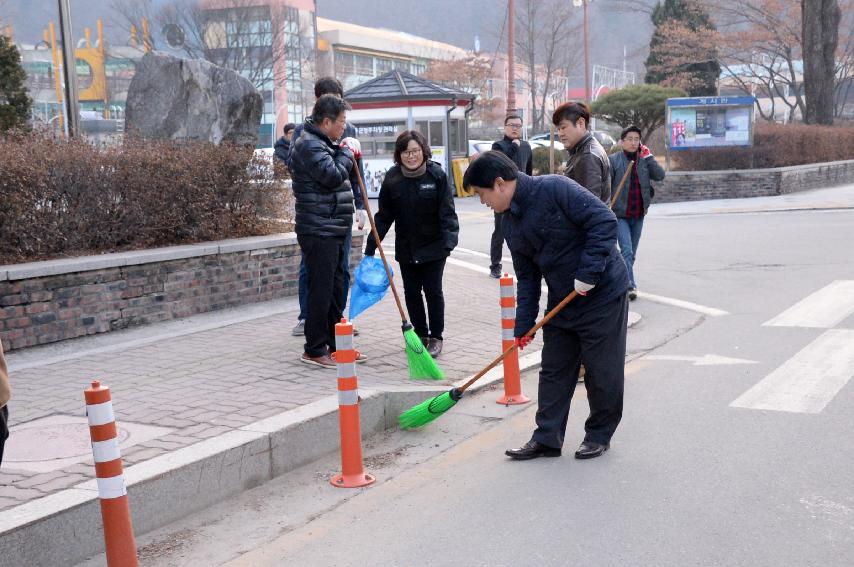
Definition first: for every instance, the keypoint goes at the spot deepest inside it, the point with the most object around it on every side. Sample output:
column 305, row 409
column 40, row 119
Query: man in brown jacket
column 587, row 163
column 5, row 394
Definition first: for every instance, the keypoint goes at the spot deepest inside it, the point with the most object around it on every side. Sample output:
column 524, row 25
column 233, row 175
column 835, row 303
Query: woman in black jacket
column 415, row 196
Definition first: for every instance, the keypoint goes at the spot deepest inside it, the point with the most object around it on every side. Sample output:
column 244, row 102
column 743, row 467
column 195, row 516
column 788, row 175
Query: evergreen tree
column 690, row 16
column 15, row 103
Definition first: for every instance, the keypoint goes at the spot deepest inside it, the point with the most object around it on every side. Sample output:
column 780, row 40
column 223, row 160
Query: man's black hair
column 328, row 106
column 488, row 167
column 572, row 111
column 510, row 117
column 629, row 130
column 288, row 127
column 328, row 85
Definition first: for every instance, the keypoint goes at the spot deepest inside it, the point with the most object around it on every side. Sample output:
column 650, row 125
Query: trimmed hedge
column 774, row 145
column 68, row 198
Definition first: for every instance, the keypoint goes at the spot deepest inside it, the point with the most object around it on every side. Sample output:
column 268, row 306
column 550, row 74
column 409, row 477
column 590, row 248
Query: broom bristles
column 428, row 410
column 421, row 364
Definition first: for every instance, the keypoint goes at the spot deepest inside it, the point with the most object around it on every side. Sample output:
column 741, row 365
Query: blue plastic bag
column 371, row 284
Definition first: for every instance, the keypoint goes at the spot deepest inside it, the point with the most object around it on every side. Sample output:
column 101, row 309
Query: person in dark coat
column 518, row 150
column 558, row 231
column 5, row 394
column 282, row 147
column 416, row 198
column 324, row 86
column 633, row 201
column 320, row 170
column 587, row 163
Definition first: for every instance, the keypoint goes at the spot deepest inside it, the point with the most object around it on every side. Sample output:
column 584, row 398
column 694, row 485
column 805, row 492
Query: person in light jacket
column 633, row 201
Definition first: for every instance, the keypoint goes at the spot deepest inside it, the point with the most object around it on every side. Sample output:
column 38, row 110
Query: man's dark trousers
column 496, row 247
column 303, row 279
column 326, row 283
column 597, row 339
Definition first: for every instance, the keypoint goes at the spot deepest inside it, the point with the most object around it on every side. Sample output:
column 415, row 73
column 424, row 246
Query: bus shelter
column 396, row 101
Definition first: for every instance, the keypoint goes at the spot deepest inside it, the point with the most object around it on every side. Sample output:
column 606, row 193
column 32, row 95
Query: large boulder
column 191, row 99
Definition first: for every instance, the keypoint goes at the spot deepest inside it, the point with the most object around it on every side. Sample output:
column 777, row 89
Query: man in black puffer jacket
column 320, row 170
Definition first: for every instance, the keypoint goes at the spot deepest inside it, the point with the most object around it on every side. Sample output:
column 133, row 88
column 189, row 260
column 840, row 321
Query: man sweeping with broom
column 557, row 230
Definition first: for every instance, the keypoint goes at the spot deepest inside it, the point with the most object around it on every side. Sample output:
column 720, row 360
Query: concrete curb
column 64, row 529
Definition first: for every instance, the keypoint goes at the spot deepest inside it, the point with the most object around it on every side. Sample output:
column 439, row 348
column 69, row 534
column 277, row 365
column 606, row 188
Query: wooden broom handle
column 622, row 182
column 530, row 333
column 378, row 241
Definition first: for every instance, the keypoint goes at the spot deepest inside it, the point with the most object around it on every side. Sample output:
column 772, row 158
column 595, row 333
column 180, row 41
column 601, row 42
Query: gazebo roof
column 399, row 86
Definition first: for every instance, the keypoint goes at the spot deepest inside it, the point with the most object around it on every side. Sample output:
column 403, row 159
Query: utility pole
column 69, row 70
column 586, row 56
column 511, row 57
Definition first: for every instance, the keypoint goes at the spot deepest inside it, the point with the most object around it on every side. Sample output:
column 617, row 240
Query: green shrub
column 67, row 198
column 541, row 160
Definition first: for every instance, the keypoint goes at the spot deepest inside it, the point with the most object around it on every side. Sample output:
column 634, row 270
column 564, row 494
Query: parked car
column 602, row 137
column 478, row 146
column 538, row 142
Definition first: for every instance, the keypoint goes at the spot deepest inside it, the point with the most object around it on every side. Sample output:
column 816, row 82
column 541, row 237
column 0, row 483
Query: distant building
column 356, row 54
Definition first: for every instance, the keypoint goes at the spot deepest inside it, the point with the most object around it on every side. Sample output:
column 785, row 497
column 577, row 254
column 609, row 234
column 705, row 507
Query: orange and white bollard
column 115, row 510
column 352, row 471
column 512, row 378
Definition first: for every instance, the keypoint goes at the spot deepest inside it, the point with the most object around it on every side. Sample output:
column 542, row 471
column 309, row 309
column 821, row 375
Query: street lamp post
column 583, row 3
column 69, row 70
column 511, row 63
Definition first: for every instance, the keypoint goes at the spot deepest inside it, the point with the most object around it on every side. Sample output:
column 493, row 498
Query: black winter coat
column 320, row 172
column 588, row 166
column 422, row 210
column 349, row 132
column 559, row 231
column 282, row 147
column 522, row 155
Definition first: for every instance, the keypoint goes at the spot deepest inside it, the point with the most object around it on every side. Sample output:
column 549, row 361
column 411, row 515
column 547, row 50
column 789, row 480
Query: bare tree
column 254, row 39
column 820, row 20
column 544, row 43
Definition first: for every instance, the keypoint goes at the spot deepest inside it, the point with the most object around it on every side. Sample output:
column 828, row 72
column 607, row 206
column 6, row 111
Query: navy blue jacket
column 559, row 231
column 349, row 132
column 320, row 173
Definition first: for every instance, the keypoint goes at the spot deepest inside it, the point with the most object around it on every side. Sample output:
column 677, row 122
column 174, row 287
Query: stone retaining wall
column 737, row 184
column 45, row 302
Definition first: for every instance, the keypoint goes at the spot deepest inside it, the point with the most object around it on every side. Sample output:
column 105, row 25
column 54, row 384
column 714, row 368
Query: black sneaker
column 495, row 272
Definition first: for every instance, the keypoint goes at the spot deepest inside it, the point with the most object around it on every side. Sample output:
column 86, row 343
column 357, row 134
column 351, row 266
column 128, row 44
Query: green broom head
column 421, row 364
column 428, row 410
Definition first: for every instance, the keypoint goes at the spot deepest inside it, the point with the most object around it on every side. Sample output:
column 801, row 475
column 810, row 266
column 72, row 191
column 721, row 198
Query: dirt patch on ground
column 166, row 546
column 383, row 460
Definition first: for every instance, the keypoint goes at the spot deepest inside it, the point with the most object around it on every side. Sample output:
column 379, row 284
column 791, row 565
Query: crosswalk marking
column 808, row 381
column 823, row 309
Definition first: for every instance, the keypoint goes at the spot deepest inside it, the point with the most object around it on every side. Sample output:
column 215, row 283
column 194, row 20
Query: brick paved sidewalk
column 206, row 383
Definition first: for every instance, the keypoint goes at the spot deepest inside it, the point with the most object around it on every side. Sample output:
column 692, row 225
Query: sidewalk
column 174, row 391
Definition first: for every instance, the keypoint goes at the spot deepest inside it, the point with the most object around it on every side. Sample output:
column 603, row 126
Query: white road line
column 808, row 381
column 656, row 298
column 471, row 252
column 683, row 304
column 468, row 265
column 823, row 309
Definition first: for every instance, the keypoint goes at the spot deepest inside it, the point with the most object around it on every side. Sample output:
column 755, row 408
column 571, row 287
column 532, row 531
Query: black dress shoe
column 590, row 450
column 532, row 450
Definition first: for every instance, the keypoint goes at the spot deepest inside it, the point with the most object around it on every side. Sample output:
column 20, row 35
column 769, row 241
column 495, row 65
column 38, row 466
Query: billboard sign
column 709, row 122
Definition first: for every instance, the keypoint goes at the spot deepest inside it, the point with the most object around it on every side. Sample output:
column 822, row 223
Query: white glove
column 353, row 145
column 582, row 288
column 361, row 218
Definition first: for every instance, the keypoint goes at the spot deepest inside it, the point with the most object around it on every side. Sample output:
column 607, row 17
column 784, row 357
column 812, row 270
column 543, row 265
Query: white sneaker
column 299, row 330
